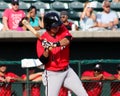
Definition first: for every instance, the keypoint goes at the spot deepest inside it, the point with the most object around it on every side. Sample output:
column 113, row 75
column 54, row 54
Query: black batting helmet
column 97, row 67
column 51, row 19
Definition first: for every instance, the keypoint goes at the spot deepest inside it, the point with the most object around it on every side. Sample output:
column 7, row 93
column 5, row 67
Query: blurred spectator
column 35, row 86
column 12, row 16
column 64, row 18
column 88, row 17
column 35, row 21
column 94, row 88
column 116, row 1
column 107, row 19
column 5, row 81
column 22, row 27
column 115, row 86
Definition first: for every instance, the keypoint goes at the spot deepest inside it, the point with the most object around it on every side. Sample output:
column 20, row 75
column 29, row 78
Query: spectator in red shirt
column 6, row 78
column 34, row 77
column 64, row 19
column 115, row 86
column 94, row 88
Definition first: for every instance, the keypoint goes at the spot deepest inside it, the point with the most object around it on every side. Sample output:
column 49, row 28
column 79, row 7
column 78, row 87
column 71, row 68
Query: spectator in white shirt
column 107, row 19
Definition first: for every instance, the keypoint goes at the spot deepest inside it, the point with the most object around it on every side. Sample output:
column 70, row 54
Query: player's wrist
column 56, row 44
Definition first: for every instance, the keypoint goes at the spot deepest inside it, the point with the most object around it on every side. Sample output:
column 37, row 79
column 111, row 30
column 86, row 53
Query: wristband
column 56, row 44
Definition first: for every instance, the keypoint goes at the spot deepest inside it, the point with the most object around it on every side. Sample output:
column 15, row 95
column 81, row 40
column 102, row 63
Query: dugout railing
column 77, row 66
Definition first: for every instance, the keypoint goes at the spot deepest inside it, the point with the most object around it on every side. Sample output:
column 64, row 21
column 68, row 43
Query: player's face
column 97, row 72
column 54, row 30
column 15, row 7
column 3, row 68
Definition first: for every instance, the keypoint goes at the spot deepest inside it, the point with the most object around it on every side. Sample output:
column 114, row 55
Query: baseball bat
column 27, row 24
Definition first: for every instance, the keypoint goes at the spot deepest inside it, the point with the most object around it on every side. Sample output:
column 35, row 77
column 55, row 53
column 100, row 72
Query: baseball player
column 95, row 88
column 6, row 78
column 115, row 86
column 53, row 52
column 34, row 77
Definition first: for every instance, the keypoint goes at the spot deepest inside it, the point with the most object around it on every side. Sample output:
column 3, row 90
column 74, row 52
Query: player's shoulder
column 45, row 34
column 88, row 71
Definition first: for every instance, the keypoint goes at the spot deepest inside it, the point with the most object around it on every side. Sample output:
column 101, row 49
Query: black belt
column 62, row 70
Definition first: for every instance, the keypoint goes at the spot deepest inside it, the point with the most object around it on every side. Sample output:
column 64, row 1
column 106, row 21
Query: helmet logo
column 54, row 18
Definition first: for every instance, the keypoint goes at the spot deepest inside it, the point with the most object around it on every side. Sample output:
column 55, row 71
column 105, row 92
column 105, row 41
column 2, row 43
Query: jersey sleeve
column 23, row 76
column 106, row 74
column 86, row 73
column 13, row 75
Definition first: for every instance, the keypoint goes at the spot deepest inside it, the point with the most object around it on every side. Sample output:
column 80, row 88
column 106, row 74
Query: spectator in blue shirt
column 35, row 21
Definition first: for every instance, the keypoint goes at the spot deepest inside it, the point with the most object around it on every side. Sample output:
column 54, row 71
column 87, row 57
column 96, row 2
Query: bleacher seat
column 40, row 5
column 74, row 15
column 118, row 13
column 78, row 6
column 98, row 7
column 24, row 6
column 58, row 12
column 67, row 1
column 100, row 1
column 3, row 5
column 29, row 1
column 1, row 13
column 47, row 1
column 115, row 6
column 7, row 1
column 59, row 6
column 83, row 1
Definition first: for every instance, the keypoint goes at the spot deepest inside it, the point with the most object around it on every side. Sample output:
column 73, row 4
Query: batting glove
column 46, row 44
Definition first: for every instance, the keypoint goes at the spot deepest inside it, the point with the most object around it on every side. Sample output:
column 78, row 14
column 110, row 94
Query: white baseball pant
column 68, row 78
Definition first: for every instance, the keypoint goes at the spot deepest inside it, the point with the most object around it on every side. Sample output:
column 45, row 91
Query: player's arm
column 63, row 42
column 109, row 78
column 33, row 76
column 18, row 79
column 86, row 76
column 44, row 58
column 89, row 78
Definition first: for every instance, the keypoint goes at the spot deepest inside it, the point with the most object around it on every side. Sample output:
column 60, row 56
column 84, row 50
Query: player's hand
column 8, row 79
column 46, row 44
column 100, row 76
